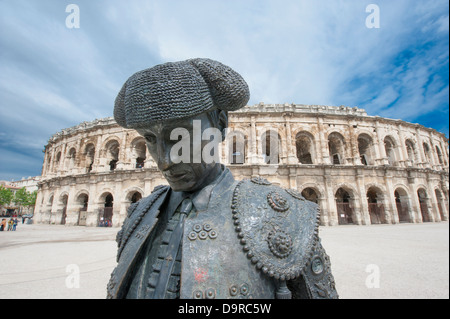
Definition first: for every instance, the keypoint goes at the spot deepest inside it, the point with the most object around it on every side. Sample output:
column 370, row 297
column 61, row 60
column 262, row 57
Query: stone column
column 402, row 147
column 364, row 206
column 253, row 141
column 123, row 159
column 390, row 206
column 331, row 211
column 291, row 158
column 61, row 170
column 382, row 159
column 96, row 166
column 323, row 142
column 422, row 158
column 353, row 143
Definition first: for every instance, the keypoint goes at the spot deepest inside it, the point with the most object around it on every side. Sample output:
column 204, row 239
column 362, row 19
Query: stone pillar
column 293, row 177
column 323, row 142
column 61, row 170
column 253, row 142
column 122, row 159
column 434, row 211
column 353, row 143
column 97, row 155
column 422, row 158
column 389, row 203
column 331, row 210
column 365, row 216
column 402, row 147
column 291, row 158
column 382, row 159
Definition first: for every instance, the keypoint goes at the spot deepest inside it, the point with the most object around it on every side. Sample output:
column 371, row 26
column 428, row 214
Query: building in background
column 359, row 169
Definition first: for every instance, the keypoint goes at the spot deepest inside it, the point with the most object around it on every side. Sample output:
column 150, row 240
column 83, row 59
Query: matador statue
column 207, row 235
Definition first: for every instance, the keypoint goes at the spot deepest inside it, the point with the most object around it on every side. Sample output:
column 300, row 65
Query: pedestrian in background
column 10, row 224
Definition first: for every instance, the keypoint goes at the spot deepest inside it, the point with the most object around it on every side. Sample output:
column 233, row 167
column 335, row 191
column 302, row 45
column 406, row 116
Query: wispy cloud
column 311, row 52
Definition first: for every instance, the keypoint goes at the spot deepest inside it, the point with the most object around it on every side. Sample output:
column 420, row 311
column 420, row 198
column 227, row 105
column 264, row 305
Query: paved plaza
column 378, row 261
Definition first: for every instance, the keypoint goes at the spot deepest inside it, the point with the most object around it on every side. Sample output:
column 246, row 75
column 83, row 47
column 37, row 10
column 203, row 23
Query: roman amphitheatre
column 359, row 169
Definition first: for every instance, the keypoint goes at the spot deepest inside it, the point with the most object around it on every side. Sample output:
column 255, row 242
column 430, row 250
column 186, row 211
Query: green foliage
column 6, row 195
column 21, row 197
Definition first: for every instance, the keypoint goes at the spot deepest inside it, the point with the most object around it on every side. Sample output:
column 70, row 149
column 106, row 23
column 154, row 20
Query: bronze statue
column 207, row 235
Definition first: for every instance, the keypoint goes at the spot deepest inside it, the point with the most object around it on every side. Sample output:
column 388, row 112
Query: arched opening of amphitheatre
column 376, row 206
column 112, row 154
column 304, row 146
column 82, row 202
column 440, row 203
column 89, row 154
column 139, row 152
column 271, row 147
column 336, row 147
column 402, row 203
column 106, row 212
column 310, row 194
column 389, row 147
column 411, row 151
column 344, row 206
column 237, row 145
column 63, row 202
column 423, row 204
column 365, row 148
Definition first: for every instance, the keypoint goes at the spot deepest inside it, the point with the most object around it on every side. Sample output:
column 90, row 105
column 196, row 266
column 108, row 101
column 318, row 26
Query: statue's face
column 193, row 172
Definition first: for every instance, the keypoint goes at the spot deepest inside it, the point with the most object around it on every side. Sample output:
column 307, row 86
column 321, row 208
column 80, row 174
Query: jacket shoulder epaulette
column 277, row 227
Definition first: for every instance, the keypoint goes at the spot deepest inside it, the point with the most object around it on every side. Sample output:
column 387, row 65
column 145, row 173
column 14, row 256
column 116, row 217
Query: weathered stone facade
column 360, row 169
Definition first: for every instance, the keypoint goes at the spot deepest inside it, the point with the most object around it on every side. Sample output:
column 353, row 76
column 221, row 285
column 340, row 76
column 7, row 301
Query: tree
column 6, row 195
column 23, row 198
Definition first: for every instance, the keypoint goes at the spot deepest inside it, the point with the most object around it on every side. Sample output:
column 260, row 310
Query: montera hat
column 178, row 90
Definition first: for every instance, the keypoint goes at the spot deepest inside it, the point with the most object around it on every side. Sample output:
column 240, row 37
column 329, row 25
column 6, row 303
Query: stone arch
column 312, row 194
column 427, row 153
column 63, row 201
column 375, row 196
column 138, row 151
column 131, row 191
column 390, row 146
column 403, row 203
column 440, row 202
column 366, row 149
column 271, row 146
column 345, row 200
column 103, row 194
column 305, row 149
column 316, row 187
column 106, row 211
column 51, row 199
column 111, row 153
column 423, row 198
column 81, row 205
column 71, row 158
column 48, row 165
column 336, row 148
column 441, row 158
column 411, row 151
column 57, row 163
column 80, row 197
column 88, row 156
column 237, row 147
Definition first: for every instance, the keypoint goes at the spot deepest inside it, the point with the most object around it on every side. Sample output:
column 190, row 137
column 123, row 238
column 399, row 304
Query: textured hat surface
column 177, row 90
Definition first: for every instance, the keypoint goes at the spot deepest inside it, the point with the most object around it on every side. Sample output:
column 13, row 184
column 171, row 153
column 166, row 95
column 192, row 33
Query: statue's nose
column 164, row 160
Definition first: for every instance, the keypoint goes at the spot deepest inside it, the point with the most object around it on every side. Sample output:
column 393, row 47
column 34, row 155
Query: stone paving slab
column 368, row 262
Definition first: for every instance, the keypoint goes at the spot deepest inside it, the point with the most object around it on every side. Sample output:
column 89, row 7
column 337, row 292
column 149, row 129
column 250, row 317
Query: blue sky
column 306, row 52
